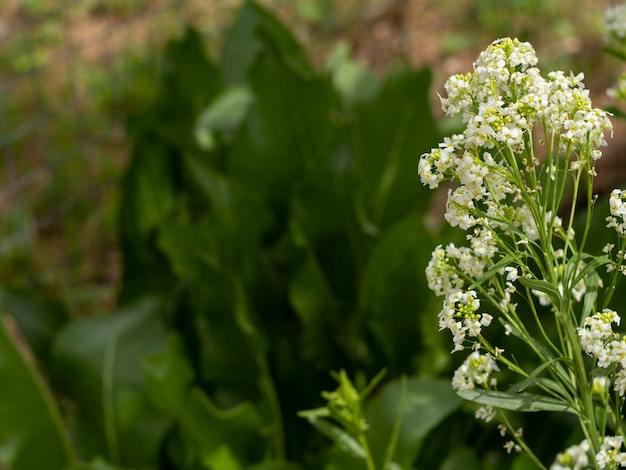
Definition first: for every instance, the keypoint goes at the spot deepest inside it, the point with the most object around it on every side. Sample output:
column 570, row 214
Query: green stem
column 369, row 462
column 587, row 417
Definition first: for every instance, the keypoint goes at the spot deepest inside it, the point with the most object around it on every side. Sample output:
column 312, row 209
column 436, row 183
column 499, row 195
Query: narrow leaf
column 503, row 263
column 346, row 442
column 541, row 286
column 525, row 402
column 531, row 379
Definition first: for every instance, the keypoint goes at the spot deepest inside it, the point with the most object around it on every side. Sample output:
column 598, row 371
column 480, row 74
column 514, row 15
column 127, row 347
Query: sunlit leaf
column 526, row 402
column 223, row 116
column 355, row 83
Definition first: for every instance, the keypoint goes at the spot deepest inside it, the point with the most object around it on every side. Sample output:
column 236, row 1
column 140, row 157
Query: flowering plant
column 529, row 144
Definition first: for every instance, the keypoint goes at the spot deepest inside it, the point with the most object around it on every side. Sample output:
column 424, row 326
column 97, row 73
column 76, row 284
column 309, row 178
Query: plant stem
column 369, row 462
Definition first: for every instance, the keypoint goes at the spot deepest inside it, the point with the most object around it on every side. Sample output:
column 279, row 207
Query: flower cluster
column 450, row 265
column 600, row 342
column 617, row 219
column 506, row 194
column 475, row 370
column 576, row 457
column 460, row 317
column 501, row 102
column 610, row 455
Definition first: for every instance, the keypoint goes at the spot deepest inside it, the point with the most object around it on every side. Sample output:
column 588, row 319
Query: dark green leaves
column 32, row 434
column 218, row 439
column 393, row 426
column 389, row 130
column 38, row 318
column 281, row 218
column 247, row 38
column 98, row 360
column 415, row 407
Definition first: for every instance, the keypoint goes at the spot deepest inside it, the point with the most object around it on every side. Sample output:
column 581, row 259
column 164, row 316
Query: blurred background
column 68, row 69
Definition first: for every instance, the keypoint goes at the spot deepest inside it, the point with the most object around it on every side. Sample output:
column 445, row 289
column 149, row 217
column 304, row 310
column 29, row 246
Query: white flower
column 575, row 457
column 617, row 219
column 609, row 454
column 485, row 413
column 442, row 277
column 511, row 445
column 475, row 370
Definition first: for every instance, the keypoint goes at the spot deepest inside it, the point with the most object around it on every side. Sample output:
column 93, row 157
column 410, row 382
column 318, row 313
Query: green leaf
column 426, row 404
column 532, row 377
column 168, row 376
column 542, row 286
column 185, row 243
column 288, row 128
column 238, row 217
column 190, row 80
column 387, row 150
column 616, row 111
column 98, row 361
column 313, row 302
column 242, row 44
column 148, row 189
column 526, row 402
column 354, row 83
column 237, row 428
column 220, row 439
column 223, row 116
column 32, row 433
column 503, row 263
column 614, row 52
column 392, row 291
column 38, row 318
column 333, row 432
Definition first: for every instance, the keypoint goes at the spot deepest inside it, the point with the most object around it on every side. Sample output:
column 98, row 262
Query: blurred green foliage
column 272, row 232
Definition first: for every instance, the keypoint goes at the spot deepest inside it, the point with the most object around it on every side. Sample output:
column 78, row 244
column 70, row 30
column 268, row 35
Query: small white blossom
column 475, row 370
column 617, row 219
column 575, row 457
column 485, row 413
column 609, row 454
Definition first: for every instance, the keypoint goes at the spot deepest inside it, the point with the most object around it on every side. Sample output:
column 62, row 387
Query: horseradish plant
column 525, row 285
